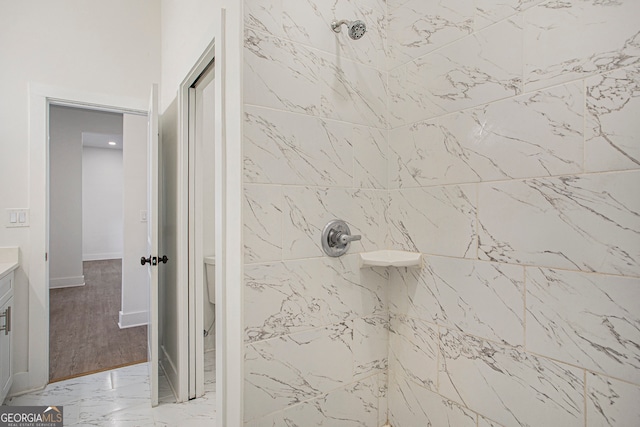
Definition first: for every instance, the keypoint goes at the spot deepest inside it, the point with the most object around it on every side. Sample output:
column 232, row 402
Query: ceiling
column 101, row 140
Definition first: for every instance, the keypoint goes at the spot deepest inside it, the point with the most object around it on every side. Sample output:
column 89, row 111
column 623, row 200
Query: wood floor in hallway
column 84, row 336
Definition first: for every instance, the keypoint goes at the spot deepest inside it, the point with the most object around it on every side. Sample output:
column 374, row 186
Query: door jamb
column 228, row 225
column 186, row 105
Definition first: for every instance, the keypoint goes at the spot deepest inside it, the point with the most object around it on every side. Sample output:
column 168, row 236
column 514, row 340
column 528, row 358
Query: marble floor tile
column 121, row 397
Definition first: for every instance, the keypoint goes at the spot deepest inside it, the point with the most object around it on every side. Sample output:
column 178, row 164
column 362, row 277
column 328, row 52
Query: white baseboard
column 22, row 385
column 130, row 320
column 169, row 369
column 66, row 282
column 100, row 257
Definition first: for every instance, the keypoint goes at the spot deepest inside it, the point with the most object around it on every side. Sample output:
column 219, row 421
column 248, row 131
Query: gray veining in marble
column 287, row 297
column 568, row 40
column 589, row 320
column 411, row 405
column 291, row 369
column 532, row 135
column 588, row 222
column 483, row 67
column 612, row 139
column 413, row 350
column 611, row 403
column 437, row 220
column 509, row 385
column 479, row 298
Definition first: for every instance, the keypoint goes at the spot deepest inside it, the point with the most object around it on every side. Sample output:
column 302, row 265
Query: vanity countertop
column 7, row 267
column 8, row 260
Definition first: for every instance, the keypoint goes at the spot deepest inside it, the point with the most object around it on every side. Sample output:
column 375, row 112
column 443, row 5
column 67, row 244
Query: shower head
column 356, row 28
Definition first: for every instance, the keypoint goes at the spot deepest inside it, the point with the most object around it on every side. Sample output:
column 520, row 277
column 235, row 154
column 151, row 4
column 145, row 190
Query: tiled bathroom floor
column 121, row 398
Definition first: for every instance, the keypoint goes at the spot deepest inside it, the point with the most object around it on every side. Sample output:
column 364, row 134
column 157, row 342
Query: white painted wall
column 66, row 190
column 104, row 47
column 135, row 280
column 65, row 172
column 102, row 207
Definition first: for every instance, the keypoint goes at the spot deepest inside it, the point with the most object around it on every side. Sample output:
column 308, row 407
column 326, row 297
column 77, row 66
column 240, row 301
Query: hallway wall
column 90, row 56
column 66, row 223
column 315, row 149
column 102, row 203
column 514, row 167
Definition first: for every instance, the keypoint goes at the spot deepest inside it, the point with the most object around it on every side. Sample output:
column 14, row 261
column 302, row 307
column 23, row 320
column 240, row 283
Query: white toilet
column 210, row 277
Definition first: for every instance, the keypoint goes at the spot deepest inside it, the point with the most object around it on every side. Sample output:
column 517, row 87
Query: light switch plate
column 143, row 216
column 15, row 218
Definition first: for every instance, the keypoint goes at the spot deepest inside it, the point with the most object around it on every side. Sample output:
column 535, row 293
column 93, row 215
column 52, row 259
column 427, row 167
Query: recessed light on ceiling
column 112, row 143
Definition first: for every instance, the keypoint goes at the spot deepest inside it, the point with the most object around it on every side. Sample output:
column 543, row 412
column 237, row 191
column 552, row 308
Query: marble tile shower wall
column 315, row 148
column 514, row 166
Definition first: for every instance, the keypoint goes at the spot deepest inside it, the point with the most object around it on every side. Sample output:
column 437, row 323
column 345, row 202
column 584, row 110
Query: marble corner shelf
column 389, row 258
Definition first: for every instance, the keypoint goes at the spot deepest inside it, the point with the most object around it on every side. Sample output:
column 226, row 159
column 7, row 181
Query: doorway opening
column 97, row 212
column 202, row 232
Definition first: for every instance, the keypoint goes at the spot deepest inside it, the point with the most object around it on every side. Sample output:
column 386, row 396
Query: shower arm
column 336, row 26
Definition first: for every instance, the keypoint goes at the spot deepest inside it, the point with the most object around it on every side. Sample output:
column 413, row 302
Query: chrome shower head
column 356, row 28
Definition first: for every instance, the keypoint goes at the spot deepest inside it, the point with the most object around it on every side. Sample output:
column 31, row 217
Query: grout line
column 431, row 255
column 520, row 179
column 342, row 386
column 306, row 329
column 501, row 99
column 313, row 116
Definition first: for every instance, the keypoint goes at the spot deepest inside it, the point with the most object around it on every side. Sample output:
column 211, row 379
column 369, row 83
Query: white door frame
column 228, row 220
column 196, row 259
column 40, row 97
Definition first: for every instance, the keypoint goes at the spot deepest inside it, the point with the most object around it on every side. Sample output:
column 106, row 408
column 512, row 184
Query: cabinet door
column 6, row 358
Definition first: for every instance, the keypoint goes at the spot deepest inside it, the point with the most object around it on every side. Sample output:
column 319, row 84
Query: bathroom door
column 154, row 262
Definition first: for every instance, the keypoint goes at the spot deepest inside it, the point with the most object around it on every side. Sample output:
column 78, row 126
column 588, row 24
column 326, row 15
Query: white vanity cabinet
column 6, row 333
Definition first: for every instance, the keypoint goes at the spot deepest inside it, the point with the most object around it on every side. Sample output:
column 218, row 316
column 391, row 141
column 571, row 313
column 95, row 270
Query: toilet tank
column 210, row 277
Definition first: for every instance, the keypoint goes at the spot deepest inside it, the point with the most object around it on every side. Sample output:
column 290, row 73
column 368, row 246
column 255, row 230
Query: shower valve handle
column 344, row 238
column 336, row 238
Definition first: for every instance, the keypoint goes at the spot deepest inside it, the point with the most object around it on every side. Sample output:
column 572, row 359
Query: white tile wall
column 534, row 116
column 483, row 67
column 599, row 329
column 611, row 402
column 509, row 385
column 286, row 297
column 479, row 298
column 569, row 40
column 584, row 222
column 536, row 134
column 497, row 137
column 419, row 27
column 436, row 220
column 613, row 131
column 413, row 405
